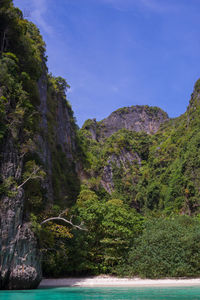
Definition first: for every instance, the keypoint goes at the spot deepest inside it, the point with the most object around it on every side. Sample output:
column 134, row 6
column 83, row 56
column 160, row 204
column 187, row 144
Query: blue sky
column 117, row 53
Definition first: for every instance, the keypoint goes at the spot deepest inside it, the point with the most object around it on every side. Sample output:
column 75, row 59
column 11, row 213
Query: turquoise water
column 102, row 293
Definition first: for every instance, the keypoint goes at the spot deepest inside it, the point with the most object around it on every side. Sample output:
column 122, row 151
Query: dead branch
column 59, row 218
column 30, row 177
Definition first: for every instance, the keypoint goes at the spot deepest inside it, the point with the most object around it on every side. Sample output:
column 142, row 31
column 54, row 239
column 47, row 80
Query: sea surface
column 77, row 293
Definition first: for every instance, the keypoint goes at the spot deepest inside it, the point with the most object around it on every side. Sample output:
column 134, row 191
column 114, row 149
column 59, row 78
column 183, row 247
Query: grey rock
column 65, row 135
column 20, row 266
column 20, row 261
column 135, row 118
column 123, row 160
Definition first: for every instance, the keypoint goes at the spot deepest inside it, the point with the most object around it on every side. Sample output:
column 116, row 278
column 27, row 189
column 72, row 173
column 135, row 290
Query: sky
column 116, row 53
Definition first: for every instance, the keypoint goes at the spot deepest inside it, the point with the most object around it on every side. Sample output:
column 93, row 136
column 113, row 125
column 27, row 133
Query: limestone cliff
column 19, row 262
column 56, row 141
column 20, row 258
column 113, row 135
column 121, row 162
column 135, row 118
column 38, row 157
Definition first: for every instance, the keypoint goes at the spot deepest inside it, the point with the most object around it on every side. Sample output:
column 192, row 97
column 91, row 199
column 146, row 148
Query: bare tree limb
column 64, row 220
column 30, row 177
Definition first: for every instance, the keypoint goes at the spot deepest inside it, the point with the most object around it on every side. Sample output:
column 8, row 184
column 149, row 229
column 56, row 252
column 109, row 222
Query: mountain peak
column 134, row 118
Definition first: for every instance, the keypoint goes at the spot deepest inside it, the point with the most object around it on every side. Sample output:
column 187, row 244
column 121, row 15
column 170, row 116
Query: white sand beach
column 110, row 281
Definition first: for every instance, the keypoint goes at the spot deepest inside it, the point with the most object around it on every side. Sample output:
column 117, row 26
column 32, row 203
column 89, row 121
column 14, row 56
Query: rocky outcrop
column 37, row 148
column 26, row 266
column 64, row 132
column 135, row 118
column 121, row 161
column 57, row 133
column 19, row 261
column 41, row 139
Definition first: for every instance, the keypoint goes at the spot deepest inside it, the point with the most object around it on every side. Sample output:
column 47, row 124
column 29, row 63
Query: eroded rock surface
column 20, row 266
column 135, row 118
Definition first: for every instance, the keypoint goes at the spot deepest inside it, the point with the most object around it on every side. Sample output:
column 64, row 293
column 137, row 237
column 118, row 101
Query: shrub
column 167, row 248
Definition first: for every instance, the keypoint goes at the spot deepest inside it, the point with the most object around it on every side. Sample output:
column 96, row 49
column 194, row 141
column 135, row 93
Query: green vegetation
column 137, row 194
column 44, row 171
column 111, row 229
column 166, row 248
column 158, row 175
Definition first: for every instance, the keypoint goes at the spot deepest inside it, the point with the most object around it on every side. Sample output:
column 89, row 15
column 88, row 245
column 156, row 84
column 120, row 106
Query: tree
column 167, row 248
column 111, row 228
column 121, row 225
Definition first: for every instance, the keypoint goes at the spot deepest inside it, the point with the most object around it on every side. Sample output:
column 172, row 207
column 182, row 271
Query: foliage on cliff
column 158, row 175
column 133, row 118
column 32, row 103
column 154, row 173
column 134, row 187
column 140, row 183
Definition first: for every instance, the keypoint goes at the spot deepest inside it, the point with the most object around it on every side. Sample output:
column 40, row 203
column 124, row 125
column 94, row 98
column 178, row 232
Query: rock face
column 141, row 119
column 19, row 261
column 124, row 160
column 57, row 131
column 135, row 118
column 37, row 147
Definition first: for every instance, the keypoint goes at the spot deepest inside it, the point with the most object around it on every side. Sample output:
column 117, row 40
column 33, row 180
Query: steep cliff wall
column 20, row 259
column 37, row 148
column 20, row 264
column 118, row 137
column 56, row 142
column 135, row 118
column 158, row 171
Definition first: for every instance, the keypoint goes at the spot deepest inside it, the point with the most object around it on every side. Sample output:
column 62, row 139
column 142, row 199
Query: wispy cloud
column 38, row 12
column 157, row 6
column 114, row 88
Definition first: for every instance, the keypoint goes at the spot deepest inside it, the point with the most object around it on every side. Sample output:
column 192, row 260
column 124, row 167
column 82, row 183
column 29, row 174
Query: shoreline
column 110, row 281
